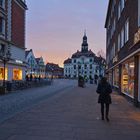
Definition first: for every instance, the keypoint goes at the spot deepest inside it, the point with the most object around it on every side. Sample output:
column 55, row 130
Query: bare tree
column 101, row 53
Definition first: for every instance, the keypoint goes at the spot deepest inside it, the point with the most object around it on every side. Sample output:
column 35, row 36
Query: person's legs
column 107, row 111
column 102, row 110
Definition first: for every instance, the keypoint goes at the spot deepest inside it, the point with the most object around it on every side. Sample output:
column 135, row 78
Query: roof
column 87, row 54
column 68, row 61
column 27, row 52
column 53, row 67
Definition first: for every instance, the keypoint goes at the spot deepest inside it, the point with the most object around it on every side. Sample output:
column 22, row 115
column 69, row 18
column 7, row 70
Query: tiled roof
column 87, row 54
column 68, row 61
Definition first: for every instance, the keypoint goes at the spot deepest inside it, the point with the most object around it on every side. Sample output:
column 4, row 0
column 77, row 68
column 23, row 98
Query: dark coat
column 104, row 92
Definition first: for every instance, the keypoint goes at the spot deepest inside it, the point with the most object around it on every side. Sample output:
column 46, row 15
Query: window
column 119, row 41
column 122, row 37
column 122, row 4
column 126, row 31
column 128, row 78
column 2, row 73
column 2, row 26
column 90, row 66
column 17, row 74
column 2, row 3
column 119, row 10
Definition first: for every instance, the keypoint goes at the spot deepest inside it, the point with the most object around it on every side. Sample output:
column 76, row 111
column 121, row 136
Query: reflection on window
column 128, row 78
column 17, row 74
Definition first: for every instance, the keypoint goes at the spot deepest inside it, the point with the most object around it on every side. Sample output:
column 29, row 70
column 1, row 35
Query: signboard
column 137, row 36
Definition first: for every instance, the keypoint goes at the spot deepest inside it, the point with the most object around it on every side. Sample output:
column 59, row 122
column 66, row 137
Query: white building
column 84, row 63
column 31, row 64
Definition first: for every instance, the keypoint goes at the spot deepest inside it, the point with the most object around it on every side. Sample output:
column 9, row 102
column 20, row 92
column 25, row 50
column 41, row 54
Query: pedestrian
column 27, row 78
column 104, row 90
column 96, row 78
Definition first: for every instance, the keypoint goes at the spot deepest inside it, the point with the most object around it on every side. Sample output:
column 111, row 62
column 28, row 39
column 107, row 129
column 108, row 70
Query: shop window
column 128, row 78
column 17, row 74
column 2, row 74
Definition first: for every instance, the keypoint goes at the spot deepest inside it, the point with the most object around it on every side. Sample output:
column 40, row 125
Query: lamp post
column 4, row 57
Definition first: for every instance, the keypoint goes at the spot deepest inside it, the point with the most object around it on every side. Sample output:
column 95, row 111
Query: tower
column 84, row 47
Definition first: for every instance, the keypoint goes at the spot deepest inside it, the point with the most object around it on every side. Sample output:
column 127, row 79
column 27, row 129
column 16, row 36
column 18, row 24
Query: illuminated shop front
column 128, row 78
column 2, row 73
column 116, row 77
column 17, row 74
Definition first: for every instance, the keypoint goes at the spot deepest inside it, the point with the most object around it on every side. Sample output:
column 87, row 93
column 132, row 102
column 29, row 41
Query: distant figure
column 31, row 77
column 39, row 78
column 104, row 90
column 95, row 78
column 27, row 78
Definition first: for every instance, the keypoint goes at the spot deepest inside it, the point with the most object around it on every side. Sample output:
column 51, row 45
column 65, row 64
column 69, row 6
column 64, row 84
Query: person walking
column 104, row 90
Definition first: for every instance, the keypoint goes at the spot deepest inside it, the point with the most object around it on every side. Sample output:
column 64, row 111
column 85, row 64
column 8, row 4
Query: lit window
column 17, row 74
column 2, row 74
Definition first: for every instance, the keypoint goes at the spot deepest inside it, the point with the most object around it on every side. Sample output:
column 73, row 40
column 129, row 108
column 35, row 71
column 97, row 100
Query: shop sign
column 19, row 61
column 115, row 59
column 137, row 36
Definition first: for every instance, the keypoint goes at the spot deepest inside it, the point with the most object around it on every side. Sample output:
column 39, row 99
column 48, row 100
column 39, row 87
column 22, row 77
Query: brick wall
column 18, row 25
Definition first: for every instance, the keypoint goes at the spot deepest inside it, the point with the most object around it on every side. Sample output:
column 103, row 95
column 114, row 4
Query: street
column 64, row 111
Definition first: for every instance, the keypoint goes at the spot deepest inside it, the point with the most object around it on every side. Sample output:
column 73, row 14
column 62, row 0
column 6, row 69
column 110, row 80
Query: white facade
column 31, row 64
column 82, row 63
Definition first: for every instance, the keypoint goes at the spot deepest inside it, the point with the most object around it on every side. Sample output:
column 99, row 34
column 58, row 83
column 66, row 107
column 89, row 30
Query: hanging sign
column 137, row 36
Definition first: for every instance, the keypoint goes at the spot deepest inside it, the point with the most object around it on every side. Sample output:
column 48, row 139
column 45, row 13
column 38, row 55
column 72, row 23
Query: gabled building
column 123, row 46
column 31, row 64
column 84, row 63
column 12, row 38
column 54, row 71
column 40, row 67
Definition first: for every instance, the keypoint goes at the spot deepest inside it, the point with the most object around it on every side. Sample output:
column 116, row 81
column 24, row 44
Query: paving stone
column 74, row 114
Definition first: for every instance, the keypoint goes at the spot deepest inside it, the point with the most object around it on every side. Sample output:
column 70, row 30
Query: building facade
column 40, row 67
column 12, row 38
column 31, row 64
column 83, row 63
column 54, row 71
column 123, row 46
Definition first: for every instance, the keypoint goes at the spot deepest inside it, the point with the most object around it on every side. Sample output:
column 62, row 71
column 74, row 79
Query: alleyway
column 74, row 114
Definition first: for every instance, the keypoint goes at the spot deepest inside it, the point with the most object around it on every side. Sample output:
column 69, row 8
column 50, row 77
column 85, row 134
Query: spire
column 84, row 44
column 85, row 32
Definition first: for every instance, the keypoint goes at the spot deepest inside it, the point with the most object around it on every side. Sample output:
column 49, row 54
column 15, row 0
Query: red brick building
column 123, row 46
column 12, row 37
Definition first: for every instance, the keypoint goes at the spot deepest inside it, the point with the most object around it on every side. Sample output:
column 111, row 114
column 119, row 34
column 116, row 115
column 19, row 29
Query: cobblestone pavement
column 74, row 114
column 15, row 102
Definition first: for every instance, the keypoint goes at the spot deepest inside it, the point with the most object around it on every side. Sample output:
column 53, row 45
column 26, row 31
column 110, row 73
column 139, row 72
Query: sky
column 55, row 28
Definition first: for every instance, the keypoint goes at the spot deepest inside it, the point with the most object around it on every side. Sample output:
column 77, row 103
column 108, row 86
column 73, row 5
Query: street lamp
column 4, row 57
